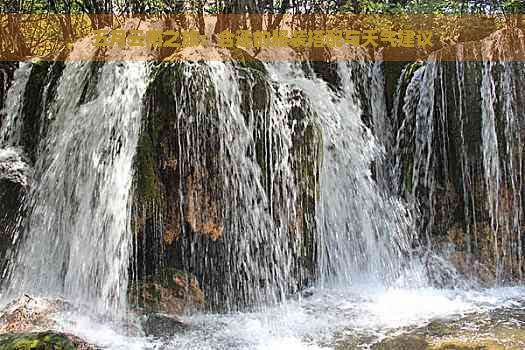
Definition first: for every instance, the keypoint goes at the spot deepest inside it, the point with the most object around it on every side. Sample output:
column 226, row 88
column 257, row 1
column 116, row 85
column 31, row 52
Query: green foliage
column 214, row 8
column 434, row 7
column 265, row 6
column 380, row 7
column 514, row 6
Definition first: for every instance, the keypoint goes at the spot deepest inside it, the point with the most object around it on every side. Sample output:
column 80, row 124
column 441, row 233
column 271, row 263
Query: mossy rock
column 402, row 342
column 171, row 292
column 41, row 341
column 467, row 345
column 247, row 61
column 438, row 328
column 165, row 168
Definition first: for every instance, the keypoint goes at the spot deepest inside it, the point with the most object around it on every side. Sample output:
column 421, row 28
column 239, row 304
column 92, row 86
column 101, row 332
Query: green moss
column 411, row 70
column 407, row 144
column 147, row 184
column 36, row 341
column 465, row 345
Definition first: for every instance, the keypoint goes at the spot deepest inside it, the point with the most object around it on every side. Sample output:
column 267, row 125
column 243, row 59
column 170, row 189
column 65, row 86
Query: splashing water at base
column 362, row 315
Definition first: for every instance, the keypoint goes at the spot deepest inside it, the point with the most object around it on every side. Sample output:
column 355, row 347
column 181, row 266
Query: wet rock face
column 17, row 160
column 459, row 157
column 15, row 177
column 497, row 329
column 170, row 292
column 39, row 91
column 184, row 196
column 7, row 70
column 27, row 314
column 27, row 323
column 165, row 171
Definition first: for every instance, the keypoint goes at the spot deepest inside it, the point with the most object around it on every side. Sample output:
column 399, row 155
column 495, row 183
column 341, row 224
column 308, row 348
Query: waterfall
column 363, row 234
column 502, row 145
column 460, row 162
column 268, row 182
column 12, row 111
column 233, row 183
column 491, row 160
column 287, row 197
column 263, row 180
column 15, row 171
column 77, row 234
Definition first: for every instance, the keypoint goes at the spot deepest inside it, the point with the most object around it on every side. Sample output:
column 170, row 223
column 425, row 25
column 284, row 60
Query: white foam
column 313, row 323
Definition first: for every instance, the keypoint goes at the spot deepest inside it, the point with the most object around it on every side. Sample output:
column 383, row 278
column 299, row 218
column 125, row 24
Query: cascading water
column 254, row 250
column 502, row 147
column 15, row 172
column 279, row 181
column 10, row 131
column 362, row 234
column 243, row 210
column 77, row 238
column 460, row 161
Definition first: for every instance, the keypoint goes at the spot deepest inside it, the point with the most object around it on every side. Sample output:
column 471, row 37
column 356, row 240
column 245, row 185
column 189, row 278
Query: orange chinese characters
column 244, row 38
column 279, row 38
column 226, row 38
column 154, row 38
column 101, row 38
column 316, row 38
column 424, row 38
column 173, row 36
column 261, row 38
column 352, row 37
column 407, row 38
column 136, row 38
column 190, row 38
column 298, row 38
column 389, row 36
column 118, row 37
column 334, row 38
column 369, row 38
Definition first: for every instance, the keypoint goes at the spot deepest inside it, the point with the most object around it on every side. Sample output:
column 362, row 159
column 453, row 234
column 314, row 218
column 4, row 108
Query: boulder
column 42, row 341
column 173, row 293
column 26, row 323
column 161, row 325
column 402, row 342
column 28, row 314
